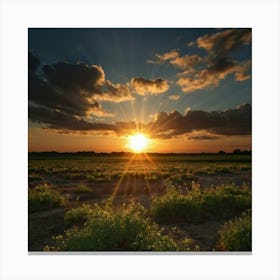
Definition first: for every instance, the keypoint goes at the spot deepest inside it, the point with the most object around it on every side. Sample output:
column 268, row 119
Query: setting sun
column 137, row 142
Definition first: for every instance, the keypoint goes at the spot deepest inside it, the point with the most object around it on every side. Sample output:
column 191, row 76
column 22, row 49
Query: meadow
column 139, row 202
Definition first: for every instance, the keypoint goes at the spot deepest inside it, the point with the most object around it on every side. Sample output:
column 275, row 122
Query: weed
column 44, row 197
column 115, row 229
column 199, row 205
column 78, row 216
column 236, row 235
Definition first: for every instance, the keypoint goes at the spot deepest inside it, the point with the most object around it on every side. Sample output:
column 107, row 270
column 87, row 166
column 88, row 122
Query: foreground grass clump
column 79, row 215
column 199, row 205
column 44, row 197
column 174, row 206
column 236, row 235
column 115, row 229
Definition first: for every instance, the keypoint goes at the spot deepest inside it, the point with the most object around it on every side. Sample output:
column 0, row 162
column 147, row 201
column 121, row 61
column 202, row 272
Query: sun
column 137, row 142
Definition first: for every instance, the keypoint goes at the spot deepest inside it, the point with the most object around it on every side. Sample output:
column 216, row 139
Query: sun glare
column 137, row 142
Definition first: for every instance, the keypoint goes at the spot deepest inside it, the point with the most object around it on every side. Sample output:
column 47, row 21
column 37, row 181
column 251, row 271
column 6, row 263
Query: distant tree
column 237, row 152
column 222, row 153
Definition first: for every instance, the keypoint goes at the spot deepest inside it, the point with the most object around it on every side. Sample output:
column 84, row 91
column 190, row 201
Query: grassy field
column 117, row 202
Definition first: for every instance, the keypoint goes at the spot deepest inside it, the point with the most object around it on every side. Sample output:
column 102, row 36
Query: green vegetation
column 109, row 229
column 44, row 197
column 177, row 213
column 82, row 189
column 199, row 205
column 78, row 215
column 236, row 235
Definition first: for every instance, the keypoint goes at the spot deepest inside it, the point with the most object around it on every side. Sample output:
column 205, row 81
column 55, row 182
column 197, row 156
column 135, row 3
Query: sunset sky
column 187, row 90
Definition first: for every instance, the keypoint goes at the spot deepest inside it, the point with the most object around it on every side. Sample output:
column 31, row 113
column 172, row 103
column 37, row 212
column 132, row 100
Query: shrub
column 227, row 201
column 236, row 235
column 78, row 216
column 43, row 197
column 174, row 206
column 198, row 205
column 115, row 229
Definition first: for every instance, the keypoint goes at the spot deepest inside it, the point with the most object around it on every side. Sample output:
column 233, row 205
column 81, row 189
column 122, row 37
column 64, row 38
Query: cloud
column 222, row 43
column 229, row 122
column 204, row 137
column 56, row 119
column 114, row 93
column 202, row 72
column 186, row 62
column 168, row 55
column 81, row 78
column 33, row 62
column 71, row 91
column 174, row 97
column 213, row 73
column 143, row 86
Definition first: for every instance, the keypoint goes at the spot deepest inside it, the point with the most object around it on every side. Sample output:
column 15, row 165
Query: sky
column 186, row 90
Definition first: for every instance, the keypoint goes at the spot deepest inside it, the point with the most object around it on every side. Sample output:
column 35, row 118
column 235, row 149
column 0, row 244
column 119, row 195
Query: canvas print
column 139, row 139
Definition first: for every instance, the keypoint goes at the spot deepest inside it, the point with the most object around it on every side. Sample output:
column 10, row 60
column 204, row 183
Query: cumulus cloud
column 143, row 86
column 223, row 42
column 81, row 78
column 202, row 72
column 186, row 62
column 71, row 92
column 213, row 73
column 114, row 93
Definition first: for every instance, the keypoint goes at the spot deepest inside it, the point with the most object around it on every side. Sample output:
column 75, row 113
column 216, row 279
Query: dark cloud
column 222, row 43
column 71, row 91
column 143, row 86
column 81, row 78
column 203, row 137
column 33, row 62
column 230, row 122
column 165, row 125
column 56, row 119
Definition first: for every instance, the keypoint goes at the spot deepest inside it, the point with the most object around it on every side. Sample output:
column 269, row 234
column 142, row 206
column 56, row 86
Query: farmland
column 155, row 202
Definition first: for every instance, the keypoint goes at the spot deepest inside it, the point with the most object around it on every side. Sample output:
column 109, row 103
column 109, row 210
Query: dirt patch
column 42, row 226
column 205, row 235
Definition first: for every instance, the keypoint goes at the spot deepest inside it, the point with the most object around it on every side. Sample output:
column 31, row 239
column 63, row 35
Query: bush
column 43, row 197
column 227, row 201
column 78, row 216
column 197, row 205
column 174, row 206
column 236, row 235
column 115, row 229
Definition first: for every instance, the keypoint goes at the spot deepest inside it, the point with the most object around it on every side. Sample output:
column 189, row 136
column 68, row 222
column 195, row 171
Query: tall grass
column 236, row 235
column 44, row 197
column 198, row 205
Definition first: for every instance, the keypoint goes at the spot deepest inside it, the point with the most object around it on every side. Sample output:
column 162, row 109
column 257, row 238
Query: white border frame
column 17, row 16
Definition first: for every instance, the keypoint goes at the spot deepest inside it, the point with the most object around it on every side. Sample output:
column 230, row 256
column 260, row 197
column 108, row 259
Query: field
column 153, row 202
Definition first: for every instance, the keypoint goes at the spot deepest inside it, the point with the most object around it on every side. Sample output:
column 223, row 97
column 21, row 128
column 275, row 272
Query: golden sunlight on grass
column 137, row 142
